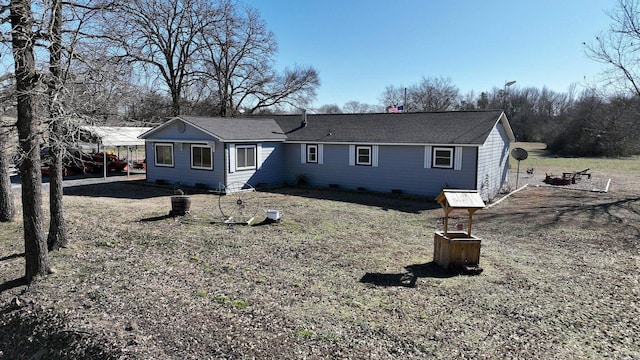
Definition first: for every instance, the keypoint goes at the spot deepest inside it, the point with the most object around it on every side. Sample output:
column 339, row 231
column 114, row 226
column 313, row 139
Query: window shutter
column 427, row 157
column 374, row 156
column 457, row 158
column 352, row 155
column 303, row 153
column 232, row 158
column 259, row 156
column 320, row 154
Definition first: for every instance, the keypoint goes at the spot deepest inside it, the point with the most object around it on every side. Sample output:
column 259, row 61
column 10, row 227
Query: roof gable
column 228, row 129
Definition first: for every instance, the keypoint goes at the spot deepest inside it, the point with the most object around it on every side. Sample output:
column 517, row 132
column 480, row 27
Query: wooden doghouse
column 458, row 250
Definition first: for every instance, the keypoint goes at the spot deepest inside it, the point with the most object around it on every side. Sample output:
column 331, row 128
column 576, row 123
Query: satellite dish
column 519, row 154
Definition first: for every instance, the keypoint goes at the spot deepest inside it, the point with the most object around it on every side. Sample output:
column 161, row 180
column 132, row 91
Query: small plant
column 106, row 243
column 221, row 298
column 239, row 304
column 200, row 293
column 305, row 333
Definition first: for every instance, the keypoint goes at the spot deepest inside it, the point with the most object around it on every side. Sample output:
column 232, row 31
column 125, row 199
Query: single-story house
column 408, row 153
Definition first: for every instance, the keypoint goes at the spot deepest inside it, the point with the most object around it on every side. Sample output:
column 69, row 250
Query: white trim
column 255, row 159
column 451, row 157
column 370, row 150
column 259, row 156
column 232, row 157
column 320, row 154
column 457, row 161
column 201, row 167
column 374, row 156
column 155, row 154
column 427, row 156
column 185, row 141
column 382, row 144
column 352, row 155
column 311, row 146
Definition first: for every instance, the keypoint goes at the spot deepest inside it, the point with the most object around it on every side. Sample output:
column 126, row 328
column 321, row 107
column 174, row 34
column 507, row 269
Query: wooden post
column 471, row 211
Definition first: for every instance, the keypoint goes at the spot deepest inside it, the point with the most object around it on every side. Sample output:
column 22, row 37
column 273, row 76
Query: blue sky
column 361, row 46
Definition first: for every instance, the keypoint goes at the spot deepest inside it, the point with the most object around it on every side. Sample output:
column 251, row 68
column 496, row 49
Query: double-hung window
column 443, row 157
column 312, row 154
column 164, row 154
column 201, row 157
column 245, row 157
column 363, row 155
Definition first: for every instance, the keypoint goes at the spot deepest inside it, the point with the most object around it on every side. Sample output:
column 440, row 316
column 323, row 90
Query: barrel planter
column 180, row 205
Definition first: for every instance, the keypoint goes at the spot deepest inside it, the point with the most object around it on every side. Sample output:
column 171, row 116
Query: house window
column 164, row 154
column 312, row 154
column 443, row 158
column 201, row 157
column 363, row 155
column 245, row 157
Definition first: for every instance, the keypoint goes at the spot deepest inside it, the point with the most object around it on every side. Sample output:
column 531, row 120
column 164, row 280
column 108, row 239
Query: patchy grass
column 539, row 157
column 344, row 275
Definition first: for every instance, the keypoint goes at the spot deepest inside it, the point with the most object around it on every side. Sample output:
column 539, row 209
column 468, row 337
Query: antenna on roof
column 304, row 118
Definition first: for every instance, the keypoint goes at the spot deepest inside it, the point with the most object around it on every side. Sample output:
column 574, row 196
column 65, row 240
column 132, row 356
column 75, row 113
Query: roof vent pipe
column 304, row 118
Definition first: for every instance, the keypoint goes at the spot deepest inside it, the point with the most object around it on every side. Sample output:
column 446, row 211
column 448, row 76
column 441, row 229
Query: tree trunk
column 57, row 228
column 7, row 209
column 22, row 39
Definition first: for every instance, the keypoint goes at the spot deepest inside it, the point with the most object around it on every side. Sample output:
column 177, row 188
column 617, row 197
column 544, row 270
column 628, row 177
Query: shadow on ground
column 398, row 202
column 408, row 278
column 131, row 189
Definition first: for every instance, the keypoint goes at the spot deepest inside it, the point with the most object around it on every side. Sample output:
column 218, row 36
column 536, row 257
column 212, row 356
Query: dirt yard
column 343, row 275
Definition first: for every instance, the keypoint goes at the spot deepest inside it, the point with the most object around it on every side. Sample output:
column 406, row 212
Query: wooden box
column 456, row 249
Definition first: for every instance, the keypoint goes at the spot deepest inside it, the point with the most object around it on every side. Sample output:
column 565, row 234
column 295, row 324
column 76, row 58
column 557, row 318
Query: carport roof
column 117, row 135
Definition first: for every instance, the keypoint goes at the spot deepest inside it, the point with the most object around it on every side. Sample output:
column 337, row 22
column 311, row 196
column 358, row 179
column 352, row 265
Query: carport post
column 104, row 161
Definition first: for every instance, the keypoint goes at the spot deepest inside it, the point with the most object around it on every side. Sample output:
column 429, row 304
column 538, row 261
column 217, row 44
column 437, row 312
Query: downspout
column 225, row 157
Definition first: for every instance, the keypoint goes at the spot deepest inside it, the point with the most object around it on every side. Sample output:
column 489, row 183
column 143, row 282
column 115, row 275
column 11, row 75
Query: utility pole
column 504, row 93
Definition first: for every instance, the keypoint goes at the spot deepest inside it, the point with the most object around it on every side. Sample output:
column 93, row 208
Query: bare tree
column 619, row 47
column 22, row 39
column 356, row 107
column 7, row 148
column 467, row 102
column 7, row 208
column 329, row 109
column 393, row 96
column 433, row 94
column 160, row 35
column 238, row 57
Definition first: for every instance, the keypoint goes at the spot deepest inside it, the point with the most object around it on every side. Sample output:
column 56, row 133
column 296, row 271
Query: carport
column 116, row 137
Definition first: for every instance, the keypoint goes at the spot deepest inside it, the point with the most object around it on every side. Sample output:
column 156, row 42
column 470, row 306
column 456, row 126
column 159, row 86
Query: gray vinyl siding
column 493, row 163
column 181, row 172
column 400, row 167
column 270, row 166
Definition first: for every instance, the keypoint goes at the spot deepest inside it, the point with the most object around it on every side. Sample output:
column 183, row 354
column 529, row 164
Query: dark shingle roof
column 237, row 129
column 456, row 127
